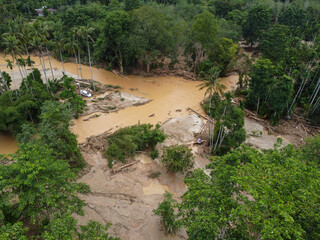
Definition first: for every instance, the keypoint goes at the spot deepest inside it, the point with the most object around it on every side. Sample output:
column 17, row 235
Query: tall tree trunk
column 94, row 87
column 31, row 63
column 121, row 63
column 148, row 67
column 75, row 57
column 80, row 65
column 43, row 68
column 50, row 63
column 62, row 61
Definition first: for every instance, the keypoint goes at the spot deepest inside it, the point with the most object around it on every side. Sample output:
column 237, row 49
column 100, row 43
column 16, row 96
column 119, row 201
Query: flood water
column 170, row 97
column 7, row 144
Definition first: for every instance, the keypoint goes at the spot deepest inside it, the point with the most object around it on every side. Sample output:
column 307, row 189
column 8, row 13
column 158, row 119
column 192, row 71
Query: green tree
column 177, row 158
column 222, row 54
column 295, row 18
column 203, row 34
column 116, row 33
column 252, row 194
column 275, row 43
column 36, row 185
column 14, row 231
column 151, row 36
column 262, row 77
column 311, row 150
column 257, row 21
column 166, row 211
column 131, row 4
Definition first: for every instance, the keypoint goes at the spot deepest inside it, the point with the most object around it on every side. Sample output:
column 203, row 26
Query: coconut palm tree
column 72, row 47
column 58, row 45
column 212, row 84
column 12, row 47
column 36, row 42
column 85, row 32
column 77, row 32
column 41, row 30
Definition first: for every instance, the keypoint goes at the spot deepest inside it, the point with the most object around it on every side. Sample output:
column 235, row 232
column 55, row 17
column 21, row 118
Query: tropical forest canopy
column 249, row 194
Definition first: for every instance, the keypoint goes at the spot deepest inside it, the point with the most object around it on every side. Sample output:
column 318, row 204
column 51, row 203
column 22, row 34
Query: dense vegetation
column 125, row 142
column 177, row 158
column 249, row 194
column 191, row 35
column 38, row 189
column 272, row 44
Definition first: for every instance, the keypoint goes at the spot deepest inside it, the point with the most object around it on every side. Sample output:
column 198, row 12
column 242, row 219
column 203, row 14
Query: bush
column 126, row 141
column 154, row 154
column 166, row 211
column 177, row 158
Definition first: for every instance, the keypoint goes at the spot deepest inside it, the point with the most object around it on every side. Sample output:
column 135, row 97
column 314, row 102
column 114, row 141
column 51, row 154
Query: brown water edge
column 168, row 95
column 7, row 144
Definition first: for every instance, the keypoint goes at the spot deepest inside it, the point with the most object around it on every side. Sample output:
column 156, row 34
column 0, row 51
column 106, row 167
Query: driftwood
column 84, row 83
column 205, row 117
column 124, row 166
column 118, row 74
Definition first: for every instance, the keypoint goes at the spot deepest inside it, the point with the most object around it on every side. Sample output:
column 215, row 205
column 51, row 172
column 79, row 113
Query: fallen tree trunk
column 205, row 117
column 124, row 166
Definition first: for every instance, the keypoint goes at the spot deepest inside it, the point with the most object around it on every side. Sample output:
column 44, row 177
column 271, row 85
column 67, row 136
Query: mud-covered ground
column 112, row 102
column 127, row 198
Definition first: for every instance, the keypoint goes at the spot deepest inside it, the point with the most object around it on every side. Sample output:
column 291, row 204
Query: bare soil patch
column 112, row 102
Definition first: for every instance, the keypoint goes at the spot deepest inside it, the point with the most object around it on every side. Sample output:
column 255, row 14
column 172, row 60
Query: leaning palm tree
column 85, row 32
column 72, row 47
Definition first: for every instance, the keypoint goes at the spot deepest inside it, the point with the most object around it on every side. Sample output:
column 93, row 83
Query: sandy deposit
column 258, row 137
column 112, row 102
column 127, row 198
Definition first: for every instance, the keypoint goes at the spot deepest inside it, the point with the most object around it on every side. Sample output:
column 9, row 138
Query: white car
column 85, row 93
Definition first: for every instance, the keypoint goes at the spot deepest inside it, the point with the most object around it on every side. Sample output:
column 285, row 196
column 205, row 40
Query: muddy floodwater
column 170, row 97
column 7, row 144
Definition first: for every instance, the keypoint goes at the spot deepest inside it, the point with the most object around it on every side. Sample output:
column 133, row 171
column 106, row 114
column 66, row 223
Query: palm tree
column 86, row 34
column 12, row 47
column 41, row 30
column 36, row 42
column 10, row 65
column 72, row 47
column 58, row 44
column 212, row 84
column 77, row 32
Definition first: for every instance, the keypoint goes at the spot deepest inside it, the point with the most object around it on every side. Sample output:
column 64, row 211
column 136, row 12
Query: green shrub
column 126, row 141
column 166, row 211
column 177, row 158
column 154, row 154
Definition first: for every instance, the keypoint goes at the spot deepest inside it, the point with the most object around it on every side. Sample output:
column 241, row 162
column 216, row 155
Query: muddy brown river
column 170, row 97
